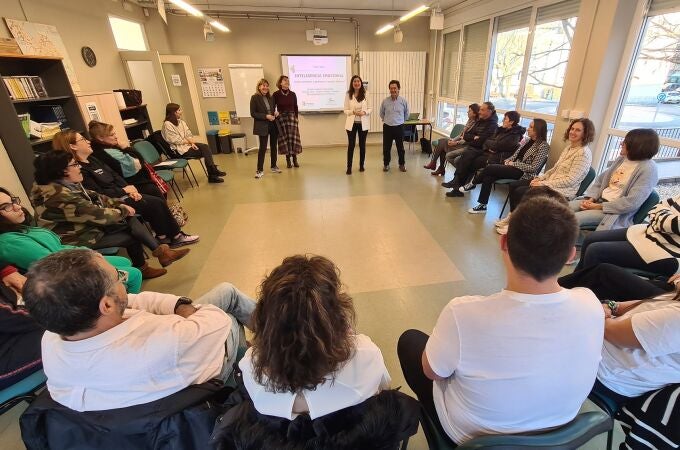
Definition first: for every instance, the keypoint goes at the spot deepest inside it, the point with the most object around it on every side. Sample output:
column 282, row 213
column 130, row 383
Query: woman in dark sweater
column 289, row 143
column 100, row 178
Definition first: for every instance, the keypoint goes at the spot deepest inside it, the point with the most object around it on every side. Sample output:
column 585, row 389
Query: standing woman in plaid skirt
column 287, row 123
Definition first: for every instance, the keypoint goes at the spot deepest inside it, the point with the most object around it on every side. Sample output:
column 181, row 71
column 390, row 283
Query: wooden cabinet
column 141, row 127
column 108, row 112
column 22, row 150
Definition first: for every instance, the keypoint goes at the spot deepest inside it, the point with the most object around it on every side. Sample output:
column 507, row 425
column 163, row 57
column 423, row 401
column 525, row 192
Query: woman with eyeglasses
column 85, row 218
column 22, row 243
column 126, row 162
column 100, row 178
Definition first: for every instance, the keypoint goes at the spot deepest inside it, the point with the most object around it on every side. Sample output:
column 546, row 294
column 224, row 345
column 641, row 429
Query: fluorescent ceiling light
column 219, row 26
column 413, row 13
column 187, row 7
column 387, row 27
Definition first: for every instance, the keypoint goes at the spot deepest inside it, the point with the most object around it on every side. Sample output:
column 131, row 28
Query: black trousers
column 156, row 212
column 610, row 282
column 410, row 349
column 469, row 162
column 395, row 134
column 144, row 185
column 517, row 191
column 351, row 143
column 490, row 174
column 131, row 239
column 273, row 135
column 204, row 151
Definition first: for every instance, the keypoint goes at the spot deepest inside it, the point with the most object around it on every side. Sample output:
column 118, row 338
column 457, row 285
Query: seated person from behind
column 641, row 350
column 19, row 334
column 521, row 360
column 306, row 356
column 615, row 195
column 105, row 349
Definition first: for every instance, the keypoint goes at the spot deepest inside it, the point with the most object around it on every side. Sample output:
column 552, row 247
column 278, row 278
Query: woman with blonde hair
column 286, row 104
column 306, row 356
column 263, row 110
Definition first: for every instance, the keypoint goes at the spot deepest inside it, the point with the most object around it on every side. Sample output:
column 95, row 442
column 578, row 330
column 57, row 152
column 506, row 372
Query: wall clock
column 88, row 56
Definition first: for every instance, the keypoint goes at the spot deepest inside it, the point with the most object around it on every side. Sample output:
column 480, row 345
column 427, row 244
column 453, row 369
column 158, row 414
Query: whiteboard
column 244, row 78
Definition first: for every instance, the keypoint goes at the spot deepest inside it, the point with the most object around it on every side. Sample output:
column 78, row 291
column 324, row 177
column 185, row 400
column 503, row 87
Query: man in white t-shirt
column 521, row 360
column 105, row 349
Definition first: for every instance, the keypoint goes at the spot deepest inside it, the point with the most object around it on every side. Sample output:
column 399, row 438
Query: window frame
column 621, row 86
column 127, row 19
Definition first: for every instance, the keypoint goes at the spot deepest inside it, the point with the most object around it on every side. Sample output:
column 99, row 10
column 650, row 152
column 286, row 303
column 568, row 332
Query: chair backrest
column 648, row 204
column 156, row 138
column 148, row 151
column 586, row 182
column 21, row 390
column 567, row 437
column 457, row 129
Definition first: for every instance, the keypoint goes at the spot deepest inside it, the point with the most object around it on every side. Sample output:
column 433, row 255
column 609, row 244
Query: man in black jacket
column 493, row 150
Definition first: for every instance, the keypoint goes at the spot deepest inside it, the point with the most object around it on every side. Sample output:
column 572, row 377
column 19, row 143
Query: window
column 651, row 96
column 552, row 40
column 129, row 35
column 450, row 65
column 473, row 60
column 512, row 32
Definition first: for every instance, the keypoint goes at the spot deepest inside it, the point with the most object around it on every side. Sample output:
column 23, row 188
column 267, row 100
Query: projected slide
column 319, row 81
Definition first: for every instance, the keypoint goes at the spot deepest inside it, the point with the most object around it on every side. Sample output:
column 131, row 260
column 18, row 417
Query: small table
column 424, row 123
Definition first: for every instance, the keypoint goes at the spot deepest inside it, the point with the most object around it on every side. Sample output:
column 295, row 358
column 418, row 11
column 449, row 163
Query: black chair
column 156, row 138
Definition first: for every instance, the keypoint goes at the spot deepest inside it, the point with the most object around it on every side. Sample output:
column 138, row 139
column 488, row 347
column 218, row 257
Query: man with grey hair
column 105, row 349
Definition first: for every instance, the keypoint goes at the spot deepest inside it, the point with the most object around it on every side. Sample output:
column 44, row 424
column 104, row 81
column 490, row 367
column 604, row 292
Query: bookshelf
column 141, row 129
column 22, row 150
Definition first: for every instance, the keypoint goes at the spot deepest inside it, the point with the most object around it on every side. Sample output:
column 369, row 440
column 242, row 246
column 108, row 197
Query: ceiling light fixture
column 187, row 7
column 413, row 13
column 387, row 27
column 220, row 26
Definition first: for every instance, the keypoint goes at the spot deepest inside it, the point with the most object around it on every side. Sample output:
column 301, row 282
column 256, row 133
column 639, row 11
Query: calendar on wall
column 212, row 82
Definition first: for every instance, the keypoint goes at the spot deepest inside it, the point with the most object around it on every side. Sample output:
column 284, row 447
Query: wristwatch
column 613, row 306
column 182, row 301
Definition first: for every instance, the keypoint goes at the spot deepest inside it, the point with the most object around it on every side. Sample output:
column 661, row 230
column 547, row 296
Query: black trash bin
column 213, row 142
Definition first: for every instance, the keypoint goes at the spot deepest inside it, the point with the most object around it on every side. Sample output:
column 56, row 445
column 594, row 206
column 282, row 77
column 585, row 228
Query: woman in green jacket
column 23, row 244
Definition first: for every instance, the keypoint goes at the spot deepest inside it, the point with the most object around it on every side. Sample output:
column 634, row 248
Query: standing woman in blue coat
column 357, row 121
column 616, row 194
column 262, row 109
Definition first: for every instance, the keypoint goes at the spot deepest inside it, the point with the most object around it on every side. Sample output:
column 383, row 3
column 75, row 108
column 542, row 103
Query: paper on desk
column 165, row 163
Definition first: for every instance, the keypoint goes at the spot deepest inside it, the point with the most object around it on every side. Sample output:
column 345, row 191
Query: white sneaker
column 259, row 174
column 184, row 239
column 276, row 170
column 479, row 209
column 502, row 230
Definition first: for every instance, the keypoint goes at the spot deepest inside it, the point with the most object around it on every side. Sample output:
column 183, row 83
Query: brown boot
column 431, row 165
column 167, row 256
column 439, row 172
column 149, row 272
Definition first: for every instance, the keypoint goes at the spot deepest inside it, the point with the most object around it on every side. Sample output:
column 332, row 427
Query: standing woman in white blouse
column 357, row 122
column 306, row 357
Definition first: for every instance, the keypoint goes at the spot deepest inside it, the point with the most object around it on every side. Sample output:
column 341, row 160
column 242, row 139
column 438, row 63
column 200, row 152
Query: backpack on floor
column 426, row 145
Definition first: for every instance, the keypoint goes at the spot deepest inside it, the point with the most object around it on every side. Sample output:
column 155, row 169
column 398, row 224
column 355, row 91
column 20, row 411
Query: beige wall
column 263, row 41
column 85, row 23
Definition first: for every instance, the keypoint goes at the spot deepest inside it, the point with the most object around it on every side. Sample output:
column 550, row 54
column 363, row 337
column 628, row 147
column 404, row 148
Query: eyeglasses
column 74, row 164
column 8, row 207
column 81, row 139
column 122, row 276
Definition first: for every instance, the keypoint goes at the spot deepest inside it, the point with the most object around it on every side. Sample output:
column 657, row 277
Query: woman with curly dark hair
column 306, row 357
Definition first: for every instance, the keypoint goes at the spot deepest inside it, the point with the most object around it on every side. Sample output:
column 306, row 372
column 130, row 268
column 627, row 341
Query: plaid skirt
column 288, row 141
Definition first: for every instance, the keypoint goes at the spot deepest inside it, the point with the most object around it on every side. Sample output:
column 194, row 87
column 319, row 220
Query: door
column 145, row 73
column 181, row 84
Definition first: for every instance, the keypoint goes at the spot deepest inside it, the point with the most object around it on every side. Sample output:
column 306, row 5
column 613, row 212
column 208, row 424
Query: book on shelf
column 25, row 87
column 25, row 120
column 44, row 130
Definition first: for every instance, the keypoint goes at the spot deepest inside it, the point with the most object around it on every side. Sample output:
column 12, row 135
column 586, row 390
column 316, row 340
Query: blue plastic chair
column 590, row 176
column 572, row 435
column 151, row 156
column 24, row 390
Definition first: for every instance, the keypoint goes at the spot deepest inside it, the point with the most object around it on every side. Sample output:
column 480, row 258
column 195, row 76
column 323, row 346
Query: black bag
column 426, row 145
column 132, row 97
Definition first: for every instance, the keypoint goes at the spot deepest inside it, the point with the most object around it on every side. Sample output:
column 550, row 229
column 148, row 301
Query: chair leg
column 404, row 444
column 186, row 175
column 504, row 205
column 192, row 173
column 200, row 161
column 610, row 438
column 176, row 190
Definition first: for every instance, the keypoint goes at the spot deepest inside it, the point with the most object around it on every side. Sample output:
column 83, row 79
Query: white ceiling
column 319, row 7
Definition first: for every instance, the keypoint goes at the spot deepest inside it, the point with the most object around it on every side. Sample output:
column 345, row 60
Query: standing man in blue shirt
column 393, row 112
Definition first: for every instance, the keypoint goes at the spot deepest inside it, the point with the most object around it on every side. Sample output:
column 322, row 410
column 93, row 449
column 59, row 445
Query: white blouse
column 360, row 378
column 350, row 106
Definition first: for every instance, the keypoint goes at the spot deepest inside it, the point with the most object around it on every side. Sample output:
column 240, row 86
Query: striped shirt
column 660, row 239
column 394, row 112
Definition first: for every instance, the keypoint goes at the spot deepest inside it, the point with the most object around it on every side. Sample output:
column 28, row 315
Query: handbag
column 181, row 217
column 158, row 181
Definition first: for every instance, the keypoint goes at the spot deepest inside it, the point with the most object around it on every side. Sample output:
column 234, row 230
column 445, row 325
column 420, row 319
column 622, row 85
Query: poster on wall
column 213, row 119
column 224, row 117
column 233, row 118
column 212, row 82
column 93, row 112
column 42, row 40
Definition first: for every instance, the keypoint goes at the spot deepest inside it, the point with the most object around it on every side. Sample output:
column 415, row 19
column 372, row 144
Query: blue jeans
column 587, row 217
column 240, row 308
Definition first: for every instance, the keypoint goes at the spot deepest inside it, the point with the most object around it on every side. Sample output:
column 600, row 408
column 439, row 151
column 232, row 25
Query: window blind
column 450, row 64
column 663, row 6
column 473, row 62
column 558, row 11
column 513, row 21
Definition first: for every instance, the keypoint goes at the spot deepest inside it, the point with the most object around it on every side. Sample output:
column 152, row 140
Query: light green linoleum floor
column 220, row 214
